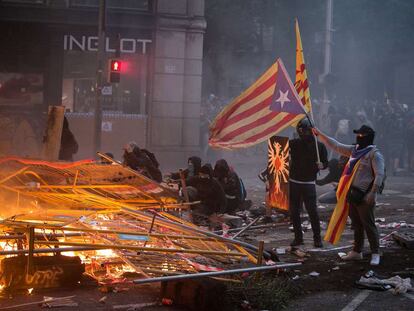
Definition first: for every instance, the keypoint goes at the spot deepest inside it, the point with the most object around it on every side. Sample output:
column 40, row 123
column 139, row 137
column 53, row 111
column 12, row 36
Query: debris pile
column 115, row 220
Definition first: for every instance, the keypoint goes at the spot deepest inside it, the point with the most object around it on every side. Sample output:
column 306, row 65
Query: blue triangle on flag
column 285, row 97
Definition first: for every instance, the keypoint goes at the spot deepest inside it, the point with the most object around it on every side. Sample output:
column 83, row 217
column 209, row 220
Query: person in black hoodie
column 68, row 143
column 193, row 167
column 231, row 184
column 138, row 160
column 206, row 189
column 304, row 167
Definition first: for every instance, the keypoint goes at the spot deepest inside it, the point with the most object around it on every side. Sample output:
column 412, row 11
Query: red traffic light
column 115, row 66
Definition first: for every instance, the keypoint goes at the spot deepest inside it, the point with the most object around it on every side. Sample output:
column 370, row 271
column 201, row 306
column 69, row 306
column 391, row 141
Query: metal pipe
column 143, row 249
column 196, row 229
column 49, row 250
column 253, row 227
column 157, row 235
column 216, row 273
column 38, row 235
column 245, row 228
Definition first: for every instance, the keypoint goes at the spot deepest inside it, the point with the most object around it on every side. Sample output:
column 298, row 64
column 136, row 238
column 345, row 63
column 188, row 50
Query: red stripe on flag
column 245, row 128
column 260, row 89
column 338, row 223
column 272, row 129
column 250, row 112
column 343, row 184
column 266, row 132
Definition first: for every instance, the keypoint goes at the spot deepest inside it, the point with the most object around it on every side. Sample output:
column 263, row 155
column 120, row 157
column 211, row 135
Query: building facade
column 49, row 57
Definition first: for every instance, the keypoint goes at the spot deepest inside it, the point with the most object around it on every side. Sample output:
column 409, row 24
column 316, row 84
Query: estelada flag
column 301, row 79
column 267, row 107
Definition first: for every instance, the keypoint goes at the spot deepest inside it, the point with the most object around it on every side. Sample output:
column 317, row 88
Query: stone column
column 174, row 110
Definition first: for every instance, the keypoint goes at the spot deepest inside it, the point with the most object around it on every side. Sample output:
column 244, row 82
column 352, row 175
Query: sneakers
column 296, row 242
column 352, row 255
column 375, row 260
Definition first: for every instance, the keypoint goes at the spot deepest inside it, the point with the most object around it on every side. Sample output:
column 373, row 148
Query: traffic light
column 114, row 70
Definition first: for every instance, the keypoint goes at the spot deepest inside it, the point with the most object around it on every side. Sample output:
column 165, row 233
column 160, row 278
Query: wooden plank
column 53, row 134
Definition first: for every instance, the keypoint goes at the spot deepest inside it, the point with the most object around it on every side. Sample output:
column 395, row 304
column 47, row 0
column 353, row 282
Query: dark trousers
column 363, row 219
column 305, row 193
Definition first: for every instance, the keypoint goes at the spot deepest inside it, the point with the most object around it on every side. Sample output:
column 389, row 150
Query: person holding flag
column 360, row 182
column 305, row 162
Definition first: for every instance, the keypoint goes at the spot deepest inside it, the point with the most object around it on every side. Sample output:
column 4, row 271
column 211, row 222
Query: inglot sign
column 90, row 43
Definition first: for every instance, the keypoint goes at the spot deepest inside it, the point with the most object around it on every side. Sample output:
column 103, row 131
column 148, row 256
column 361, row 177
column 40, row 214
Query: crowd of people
column 217, row 190
column 393, row 121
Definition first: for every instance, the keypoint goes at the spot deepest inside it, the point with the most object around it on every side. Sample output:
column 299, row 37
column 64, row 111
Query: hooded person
column 193, row 167
column 139, row 161
column 231, row 184
column 68, row 143
column 361, row 180
column 206, row 189
column 304, row 167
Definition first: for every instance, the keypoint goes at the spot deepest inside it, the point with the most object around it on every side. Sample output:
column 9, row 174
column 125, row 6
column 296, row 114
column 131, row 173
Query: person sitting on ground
column 206, row 189
column 232, row 185
column 138, row 160
column 193, row 167
column 366, row 165
column 335, row 168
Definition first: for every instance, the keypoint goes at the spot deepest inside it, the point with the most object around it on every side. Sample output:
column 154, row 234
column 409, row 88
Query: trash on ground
column 314, row 274
column 399, row 284
column 50, row 302
column 280, row 251
column 341, row 254
column 405, row 239
column 135, row 306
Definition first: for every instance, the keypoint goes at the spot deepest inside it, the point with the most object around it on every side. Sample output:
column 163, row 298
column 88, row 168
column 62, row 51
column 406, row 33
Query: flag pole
column 311, row 120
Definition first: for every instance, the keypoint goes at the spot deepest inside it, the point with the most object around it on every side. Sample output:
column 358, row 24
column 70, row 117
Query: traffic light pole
column 99, row 77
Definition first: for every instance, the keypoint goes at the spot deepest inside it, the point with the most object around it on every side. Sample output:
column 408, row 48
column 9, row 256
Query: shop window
column 79, row 84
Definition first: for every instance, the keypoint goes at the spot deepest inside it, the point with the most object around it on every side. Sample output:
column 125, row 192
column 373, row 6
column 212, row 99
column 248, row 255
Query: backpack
column 243, row 193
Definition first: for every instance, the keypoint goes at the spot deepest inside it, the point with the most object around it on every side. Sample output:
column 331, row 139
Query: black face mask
column 364, row 141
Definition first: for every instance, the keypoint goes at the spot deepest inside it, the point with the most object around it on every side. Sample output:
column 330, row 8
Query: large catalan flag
column 339, row 216
column 301, row 79
column 267, row 107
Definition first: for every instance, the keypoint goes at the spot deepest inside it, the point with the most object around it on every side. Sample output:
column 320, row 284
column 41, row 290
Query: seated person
column 335, row 168
column 193, row 167
column 206, row 189
column 232, row 185
column 139, row 160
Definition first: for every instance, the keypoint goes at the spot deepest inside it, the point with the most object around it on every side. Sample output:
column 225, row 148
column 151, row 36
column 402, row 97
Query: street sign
column 107, row 90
